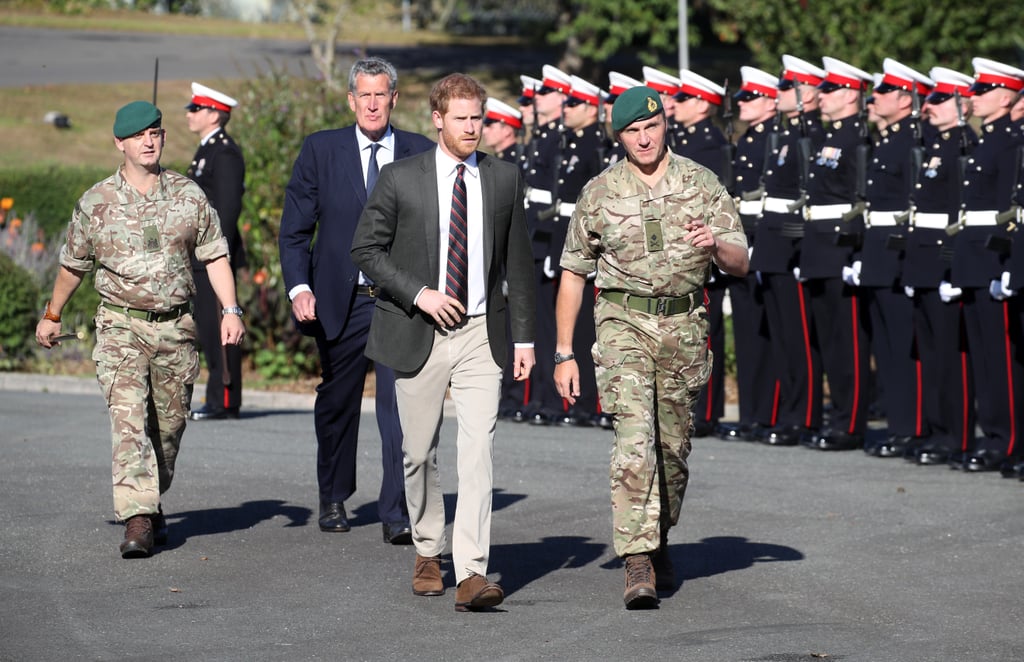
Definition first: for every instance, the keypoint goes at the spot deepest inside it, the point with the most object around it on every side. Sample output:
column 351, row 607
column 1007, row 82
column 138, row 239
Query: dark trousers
column 948, row 384
column 336, row 413
column 224, row 383
column 710, row 405
column 997, row 372
column 836, row 310
column 795, row 349
column 891, row 314
column 756, row 377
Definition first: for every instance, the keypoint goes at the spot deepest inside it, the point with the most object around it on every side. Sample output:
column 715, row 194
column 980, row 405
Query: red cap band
column 561, row 87
column 950, row 88
column 760, row 89
column 807, row 79
column 905, row 84
column 661, row 87
column 701, row 94
column 843, row 81
column 1010, row 83
column 210, row 103
column 511, row 120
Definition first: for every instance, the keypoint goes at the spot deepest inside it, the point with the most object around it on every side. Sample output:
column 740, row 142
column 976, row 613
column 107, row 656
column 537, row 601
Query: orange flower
column 246, row 227
column 6, row 203
column 15, row 223
column 260, row 277
column 38, row 247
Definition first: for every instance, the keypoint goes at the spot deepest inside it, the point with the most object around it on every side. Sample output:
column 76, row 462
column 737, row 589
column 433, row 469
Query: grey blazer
column 396, row 245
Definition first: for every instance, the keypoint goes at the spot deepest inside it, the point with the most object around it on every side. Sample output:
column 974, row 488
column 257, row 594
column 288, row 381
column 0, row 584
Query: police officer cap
column 636, row 103
column 134, row 117
column 948, row 82
column 989, row 74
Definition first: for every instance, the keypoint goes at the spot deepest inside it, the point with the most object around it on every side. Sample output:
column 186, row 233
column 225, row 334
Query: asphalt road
column 32, row 56
column 785, row 554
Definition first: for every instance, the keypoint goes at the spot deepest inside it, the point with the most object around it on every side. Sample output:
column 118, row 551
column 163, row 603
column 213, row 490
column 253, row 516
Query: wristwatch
column 231, row 310
column 562, row 358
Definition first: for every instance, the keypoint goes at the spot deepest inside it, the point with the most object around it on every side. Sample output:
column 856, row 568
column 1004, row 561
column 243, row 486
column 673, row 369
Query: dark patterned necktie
column 455, row 280
column 372, row 170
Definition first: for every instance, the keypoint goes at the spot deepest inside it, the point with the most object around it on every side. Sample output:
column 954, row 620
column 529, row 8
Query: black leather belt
column 665, row 306
column 368, row 290
column 150, row 315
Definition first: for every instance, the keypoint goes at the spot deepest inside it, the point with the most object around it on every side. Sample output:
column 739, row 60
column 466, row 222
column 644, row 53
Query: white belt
column 932, row 221
column 751, row 207
column 779, row 205
column 819, row 212
column 566, row 209
column 980, row 217
column 882, row 218
column 540, row 196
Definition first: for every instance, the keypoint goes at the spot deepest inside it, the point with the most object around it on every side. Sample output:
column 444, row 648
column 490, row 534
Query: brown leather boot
column 426, row 577
column 475, row 592
column 138, row 537
column 640, row 592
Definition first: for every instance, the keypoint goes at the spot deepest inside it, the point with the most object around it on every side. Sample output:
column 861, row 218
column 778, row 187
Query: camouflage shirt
column 633, row 235
column 141, row 243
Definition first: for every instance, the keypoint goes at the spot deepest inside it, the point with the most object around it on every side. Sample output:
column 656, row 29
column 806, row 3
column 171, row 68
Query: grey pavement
column 785, row 554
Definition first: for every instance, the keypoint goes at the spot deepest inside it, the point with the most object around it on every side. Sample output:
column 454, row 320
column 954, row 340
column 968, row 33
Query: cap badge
column 652, row 105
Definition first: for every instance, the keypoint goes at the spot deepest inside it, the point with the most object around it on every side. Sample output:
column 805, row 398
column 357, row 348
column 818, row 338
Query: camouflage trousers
column 146, row 371
column 649, row 370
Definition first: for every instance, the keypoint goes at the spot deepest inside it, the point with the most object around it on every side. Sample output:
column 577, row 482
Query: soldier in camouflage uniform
column 140, row 226
column 650, row 226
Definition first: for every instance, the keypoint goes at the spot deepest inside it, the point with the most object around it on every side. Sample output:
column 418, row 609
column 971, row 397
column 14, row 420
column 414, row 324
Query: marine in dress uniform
column 979, row 261
column 1014, row 468
column 756, row 377
column 544, row 155
column 667, row 85
column 697, row 138
column 219, row 169
column 617, row 84
column 776, row 254
column 833, row 229
column 890, row 178
column 947, row 406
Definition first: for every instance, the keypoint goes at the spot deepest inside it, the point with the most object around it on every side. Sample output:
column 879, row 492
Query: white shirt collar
column 208, row 137
column 387, row 141
column 446, row 164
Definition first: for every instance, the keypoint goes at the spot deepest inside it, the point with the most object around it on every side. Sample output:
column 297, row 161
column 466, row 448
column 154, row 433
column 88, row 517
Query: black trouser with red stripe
column 796, row 352
column 891, row 313
column 948, row 384
column 757, row 381
column 224, row 381
column 993, row 339
column 839, row 326
column 710, row 405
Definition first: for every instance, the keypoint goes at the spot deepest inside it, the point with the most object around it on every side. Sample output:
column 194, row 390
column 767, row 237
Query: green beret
column 134, row 117
column 636, row 103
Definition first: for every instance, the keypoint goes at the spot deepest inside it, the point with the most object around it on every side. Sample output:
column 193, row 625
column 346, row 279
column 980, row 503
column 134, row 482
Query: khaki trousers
column 460, row 360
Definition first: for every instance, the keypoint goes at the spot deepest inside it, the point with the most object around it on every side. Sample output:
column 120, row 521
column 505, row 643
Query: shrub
column 18, row 313
column 50, row 192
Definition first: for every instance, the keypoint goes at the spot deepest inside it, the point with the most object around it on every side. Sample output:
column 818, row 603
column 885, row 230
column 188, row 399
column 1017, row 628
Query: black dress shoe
column 731, row 431
column 208, row 413
column 782, row 435
column 398, row 533
column 537, row 418
column 704, row 428
column 894, row 446
column 333, row 518
column 604, row 420
column 929, row 455
column 984, row 460
column 566, row 420
column 837, row 441
column 957, row 461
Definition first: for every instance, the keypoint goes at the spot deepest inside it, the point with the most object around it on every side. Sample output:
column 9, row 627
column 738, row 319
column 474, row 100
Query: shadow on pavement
column 523, row 563
column 211, row 521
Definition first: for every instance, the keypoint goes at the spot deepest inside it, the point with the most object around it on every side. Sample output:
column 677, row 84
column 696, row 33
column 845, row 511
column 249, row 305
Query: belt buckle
column 373, row 291
column 661, row 307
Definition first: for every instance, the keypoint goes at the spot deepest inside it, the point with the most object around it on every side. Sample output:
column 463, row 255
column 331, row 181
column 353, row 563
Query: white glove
column 1000, row 289
column 949, row 293
column 909, row 291
column 851, row 275
column 548, row 271
column 796, row 274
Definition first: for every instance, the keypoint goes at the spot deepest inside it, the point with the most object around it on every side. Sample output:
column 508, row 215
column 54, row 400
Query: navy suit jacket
column 396, row 244
column 324, row 198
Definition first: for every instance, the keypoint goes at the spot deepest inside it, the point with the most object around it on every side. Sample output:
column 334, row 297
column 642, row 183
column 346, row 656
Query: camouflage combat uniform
column 141, row 245
column 650, row 366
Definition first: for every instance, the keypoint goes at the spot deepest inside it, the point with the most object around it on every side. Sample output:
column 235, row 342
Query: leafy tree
column 919, row 33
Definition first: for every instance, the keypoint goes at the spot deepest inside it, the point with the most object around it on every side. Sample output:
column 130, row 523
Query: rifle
column 552, row 211
column 961, row 161
column 803, row 148
column 156, row 76
column 916, row 154
column 728, row 149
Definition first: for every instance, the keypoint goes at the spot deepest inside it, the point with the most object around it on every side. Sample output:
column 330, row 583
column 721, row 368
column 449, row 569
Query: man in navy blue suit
column 333, row 302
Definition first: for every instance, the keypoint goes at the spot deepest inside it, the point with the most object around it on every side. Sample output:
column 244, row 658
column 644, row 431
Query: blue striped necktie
column 372, row 170
column 455, row 279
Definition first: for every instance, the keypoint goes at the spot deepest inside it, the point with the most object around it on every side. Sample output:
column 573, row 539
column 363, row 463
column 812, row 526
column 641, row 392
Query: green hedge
column 49, row 193
column 18, row 295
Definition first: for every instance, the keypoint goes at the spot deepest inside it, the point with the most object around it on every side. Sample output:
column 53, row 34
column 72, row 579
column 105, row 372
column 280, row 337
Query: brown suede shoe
column 138, row 537
column 426, row 577
column 640, row 592
column 475, row 592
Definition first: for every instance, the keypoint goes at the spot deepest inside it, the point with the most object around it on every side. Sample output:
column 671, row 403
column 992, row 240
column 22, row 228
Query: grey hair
column 373, row 66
